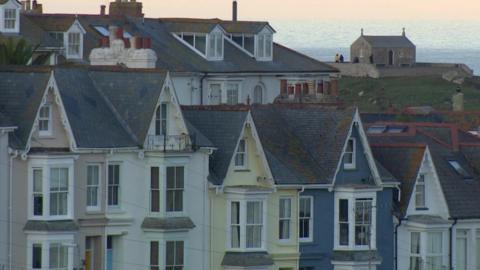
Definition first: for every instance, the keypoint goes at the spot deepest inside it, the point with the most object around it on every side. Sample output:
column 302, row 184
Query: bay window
column 246, row 224
column 305, row 218
column 426, row 250
column 461, row 250
column 174, row 255
column 175, row 189
column 50, row 186
column 50, row 252
column 284, row 218
column 93, row 186
column 355, row 219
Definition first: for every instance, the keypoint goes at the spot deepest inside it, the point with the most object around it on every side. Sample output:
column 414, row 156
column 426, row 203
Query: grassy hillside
column 373, row 95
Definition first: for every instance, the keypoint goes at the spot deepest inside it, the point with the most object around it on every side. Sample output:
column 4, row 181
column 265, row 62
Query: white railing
column 168, row 143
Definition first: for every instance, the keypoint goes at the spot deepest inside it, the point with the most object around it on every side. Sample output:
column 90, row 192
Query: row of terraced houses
column 172, row 143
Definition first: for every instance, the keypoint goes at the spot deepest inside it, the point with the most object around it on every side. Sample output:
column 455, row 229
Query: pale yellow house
column 253, row 220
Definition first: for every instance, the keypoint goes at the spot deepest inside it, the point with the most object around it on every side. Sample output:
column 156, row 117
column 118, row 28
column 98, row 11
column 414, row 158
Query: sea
column 436, row 41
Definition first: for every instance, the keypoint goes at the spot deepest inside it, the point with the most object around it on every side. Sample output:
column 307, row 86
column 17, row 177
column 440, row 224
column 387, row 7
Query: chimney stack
column 235, row 11
column 361, row 32
column 130, row 8
column 403, row 31
column 102, row 10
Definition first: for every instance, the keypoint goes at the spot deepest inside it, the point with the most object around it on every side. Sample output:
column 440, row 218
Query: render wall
column 4, row 195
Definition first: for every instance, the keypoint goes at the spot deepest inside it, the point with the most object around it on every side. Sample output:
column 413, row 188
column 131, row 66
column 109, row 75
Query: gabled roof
column 402, row 155
column 5, row 120
column 222, row 127
column 21, row 92
column 175, row 56
column 389, row 41
column 303, row 145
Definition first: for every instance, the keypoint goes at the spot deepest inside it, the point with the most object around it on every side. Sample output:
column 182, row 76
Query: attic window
column 459, row 169
column 376, row 129
column 195, row 40
column 264, row 46
column 10, row 18
column 215, row 46
column 247, row 42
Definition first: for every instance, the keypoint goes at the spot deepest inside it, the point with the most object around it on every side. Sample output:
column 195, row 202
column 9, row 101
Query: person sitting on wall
column 342, row 59
column 337, row 58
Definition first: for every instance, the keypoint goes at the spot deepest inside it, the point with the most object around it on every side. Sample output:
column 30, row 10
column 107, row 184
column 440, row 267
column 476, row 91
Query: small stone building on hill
column 397, row 51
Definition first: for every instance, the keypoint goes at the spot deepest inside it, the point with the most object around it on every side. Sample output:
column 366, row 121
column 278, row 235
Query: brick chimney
column 130, row 8
column 102, row 10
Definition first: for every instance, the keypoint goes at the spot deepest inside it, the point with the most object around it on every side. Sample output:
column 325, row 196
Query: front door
column 89, row 254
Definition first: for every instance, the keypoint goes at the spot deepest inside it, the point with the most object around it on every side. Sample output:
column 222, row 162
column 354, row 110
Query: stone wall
column 357, row 69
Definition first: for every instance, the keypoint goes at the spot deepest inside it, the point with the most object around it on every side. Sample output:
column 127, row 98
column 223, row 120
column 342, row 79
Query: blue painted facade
column 317, row 254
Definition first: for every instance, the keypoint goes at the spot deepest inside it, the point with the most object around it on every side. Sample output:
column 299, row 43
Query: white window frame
column 46, row 164
column 263, row 41
column 242, row 46
column 223, row 90
column 184, row 190
column 415, row 255
column 119, row 185
column 161, row 120
column 46, row 240
column 218, row 39
column 464, row 237
column 424, row 253
column 98, row 186
column 353, row 164
column 244, row 166
column 49, row 131
column 180, row 35
column 287, row 219
column 352, row 196
column 12, row 5
column 421, row 182
column 243, row 223
column 311, row 220
column 70, row 54
column 10, row 19
column 162, row 249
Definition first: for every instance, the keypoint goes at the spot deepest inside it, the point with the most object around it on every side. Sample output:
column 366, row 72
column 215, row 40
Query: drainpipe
column 201, row 88
column 10, row 191
column 396, row 242
column 451, row 243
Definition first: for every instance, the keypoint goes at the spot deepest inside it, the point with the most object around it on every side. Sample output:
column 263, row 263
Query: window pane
column 268, row 45
column 211, row 45
column 170, row 253
column 232, row 93
column 415, row 243
column 343, row 222
column 37, row 256
column 188, row 38
column 155, row 189
column 258, row 95
column 113, row 184
column 461, row 250
column 200, row 43
column 249, row 42
column 154, row 260
column 170, row 177
column 219, row 46
column 261, row 46
column 179, row 253
column 37, row 180
column 158, row 122
column 434, row 242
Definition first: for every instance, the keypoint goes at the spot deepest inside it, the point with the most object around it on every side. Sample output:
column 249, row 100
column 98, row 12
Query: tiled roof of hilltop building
column 402, row 155
column 176, row 56
column 389, row 41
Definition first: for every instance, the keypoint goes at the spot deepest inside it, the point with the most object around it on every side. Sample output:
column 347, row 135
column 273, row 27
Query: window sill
column 46, row 135
column 421, row 208
column 285, row 242
column 115, row 210
column 349, row 168
column 93, row 211
column 241, row 170
column 306, row 240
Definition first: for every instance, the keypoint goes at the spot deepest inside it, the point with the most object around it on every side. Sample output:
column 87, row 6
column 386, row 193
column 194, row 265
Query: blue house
column 346, row 204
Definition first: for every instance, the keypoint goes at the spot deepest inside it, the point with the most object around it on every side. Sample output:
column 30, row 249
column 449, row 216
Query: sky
column 442, row 10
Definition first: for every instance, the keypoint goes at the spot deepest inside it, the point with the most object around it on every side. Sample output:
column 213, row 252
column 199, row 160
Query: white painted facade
column 4, row 196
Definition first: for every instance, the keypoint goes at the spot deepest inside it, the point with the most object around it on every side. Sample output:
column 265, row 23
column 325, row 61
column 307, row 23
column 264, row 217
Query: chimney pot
column 147, row 43
column 102, row 10
column 235, row 11
column 34, row 4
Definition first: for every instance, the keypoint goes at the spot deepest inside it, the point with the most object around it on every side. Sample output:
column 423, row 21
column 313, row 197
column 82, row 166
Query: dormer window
column 74, row 45
column 215, row 46
column 264, row 46
column 10, row 18
column 241, row 155
column 195, row 40
column 246, row 42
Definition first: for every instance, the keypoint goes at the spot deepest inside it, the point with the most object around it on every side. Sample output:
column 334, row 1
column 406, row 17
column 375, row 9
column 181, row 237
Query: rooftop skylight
column 459, row 169
column 102, row 30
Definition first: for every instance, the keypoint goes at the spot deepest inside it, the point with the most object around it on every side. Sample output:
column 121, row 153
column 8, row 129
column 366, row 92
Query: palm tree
column 16, row 52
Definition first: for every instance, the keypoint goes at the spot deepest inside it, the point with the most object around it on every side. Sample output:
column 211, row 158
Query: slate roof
column 172, row 223
column 302, row 145
column 107, row 107
column 222, row 128
column 247, row 259
column 5, row 120
column 389, row 41
column 174, row 55
column 402, row 156
column 21, row 92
